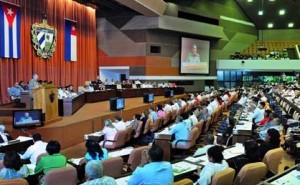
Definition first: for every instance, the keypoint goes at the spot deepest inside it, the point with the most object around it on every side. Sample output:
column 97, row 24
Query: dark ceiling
column 270, row 10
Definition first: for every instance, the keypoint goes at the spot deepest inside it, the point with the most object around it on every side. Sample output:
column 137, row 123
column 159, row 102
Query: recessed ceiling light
column 281, row 12
column 271, row 0
column 290, row 25
column 270, row 25
column 260, row 12
column 249, row 1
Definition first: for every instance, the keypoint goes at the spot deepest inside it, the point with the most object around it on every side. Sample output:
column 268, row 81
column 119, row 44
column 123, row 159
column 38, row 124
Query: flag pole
column 1, row 1
column 70, row 20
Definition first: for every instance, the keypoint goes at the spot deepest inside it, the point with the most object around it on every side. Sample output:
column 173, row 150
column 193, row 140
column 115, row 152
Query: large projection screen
column 194, row 56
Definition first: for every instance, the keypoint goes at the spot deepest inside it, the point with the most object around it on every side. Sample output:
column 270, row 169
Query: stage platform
column 70, row 130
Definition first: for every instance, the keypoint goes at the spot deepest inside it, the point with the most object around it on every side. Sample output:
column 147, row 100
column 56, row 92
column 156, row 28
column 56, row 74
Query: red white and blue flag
column 10, row 23
column 70, row 41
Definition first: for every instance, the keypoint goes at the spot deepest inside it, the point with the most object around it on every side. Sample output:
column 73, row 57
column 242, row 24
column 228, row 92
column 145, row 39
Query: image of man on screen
column 193, row 57
column 26, row 118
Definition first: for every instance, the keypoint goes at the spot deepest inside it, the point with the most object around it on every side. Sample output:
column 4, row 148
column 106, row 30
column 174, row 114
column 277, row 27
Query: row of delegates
column 256, row 150
column 15, row 90
column 156, row 172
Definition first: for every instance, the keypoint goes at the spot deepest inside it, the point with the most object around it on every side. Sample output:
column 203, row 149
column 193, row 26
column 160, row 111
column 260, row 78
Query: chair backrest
column 128, row 134
column 1, row 164
column 224, row 177
column 207, row 124
column 157, row 124
column 167, row 118
column 17, row 181
column 185, row 181
column 192, row 140
column 147, row 126
column 113, row 167
column 199, row 125
column 62, row 176
column 251, row 174
column 138, row 130
column 119, row 140
column 40, row 156
column 272, row 159
column 174, row 114
column 135, row 156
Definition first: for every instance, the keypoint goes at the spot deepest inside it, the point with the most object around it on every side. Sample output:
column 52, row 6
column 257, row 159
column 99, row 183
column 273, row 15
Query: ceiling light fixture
column 281, row 12
column 262, row 47
column 290, row 25
column 249, row 1
column 270, row 25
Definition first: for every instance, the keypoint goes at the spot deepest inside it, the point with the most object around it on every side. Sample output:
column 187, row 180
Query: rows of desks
column 69, row 106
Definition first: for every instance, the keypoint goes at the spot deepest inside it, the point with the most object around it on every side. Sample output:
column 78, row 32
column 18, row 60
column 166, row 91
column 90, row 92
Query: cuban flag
column 10, row 22
column 70, row 41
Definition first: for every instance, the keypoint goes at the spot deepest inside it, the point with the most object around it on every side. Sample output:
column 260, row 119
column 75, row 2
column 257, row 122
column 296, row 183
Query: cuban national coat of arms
column 44, row 39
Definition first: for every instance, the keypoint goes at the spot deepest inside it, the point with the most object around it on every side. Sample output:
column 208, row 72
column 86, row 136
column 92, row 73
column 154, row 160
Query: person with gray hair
column 94, row 174
column 33, row 83
column 109, row 131
column 4, row 137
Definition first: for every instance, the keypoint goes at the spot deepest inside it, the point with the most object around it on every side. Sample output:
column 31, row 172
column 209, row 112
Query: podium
column 45, row 98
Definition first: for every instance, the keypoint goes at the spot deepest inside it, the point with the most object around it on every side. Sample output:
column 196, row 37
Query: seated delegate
column 50, row 162
column 94, row 151
column 216, row 163
column 13, row 167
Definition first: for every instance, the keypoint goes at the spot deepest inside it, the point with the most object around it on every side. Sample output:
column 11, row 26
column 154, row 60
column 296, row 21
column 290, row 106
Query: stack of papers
column 75, row 160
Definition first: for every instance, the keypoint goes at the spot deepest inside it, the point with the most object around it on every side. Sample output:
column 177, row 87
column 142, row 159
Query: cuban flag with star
column 10, row 23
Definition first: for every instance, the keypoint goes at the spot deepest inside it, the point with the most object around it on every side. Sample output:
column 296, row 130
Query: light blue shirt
column 258, row 115
column 101, row 181
column 153, row 115
column 263, row 133
column 209, row 170
column 181, row 132
column 154, row 173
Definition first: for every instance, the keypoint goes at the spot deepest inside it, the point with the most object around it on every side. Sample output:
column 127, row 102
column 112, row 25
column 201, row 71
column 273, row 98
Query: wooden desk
column 97, row 96
column 20, row 146
column 68, row 106
column 288, row 177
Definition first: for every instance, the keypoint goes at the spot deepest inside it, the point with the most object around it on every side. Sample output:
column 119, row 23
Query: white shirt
column 34, row 150
column 167, row 108
column 194, row 119
column 121, row 125
column 243, row 100
column 209, row 170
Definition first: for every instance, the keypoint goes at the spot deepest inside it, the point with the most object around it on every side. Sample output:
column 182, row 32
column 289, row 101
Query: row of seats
column 250, row 174
column 276, row 48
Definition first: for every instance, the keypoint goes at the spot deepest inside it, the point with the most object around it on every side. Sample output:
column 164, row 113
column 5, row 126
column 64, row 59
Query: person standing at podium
column 33, row 83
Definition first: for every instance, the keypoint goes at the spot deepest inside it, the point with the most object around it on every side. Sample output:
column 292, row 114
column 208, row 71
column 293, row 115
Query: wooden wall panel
column 158, row 61
column 162, row 71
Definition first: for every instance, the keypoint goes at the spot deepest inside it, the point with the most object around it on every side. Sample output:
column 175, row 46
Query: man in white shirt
column 119, row 124
column 167, row 107
column 36, row 149
column 243, row 100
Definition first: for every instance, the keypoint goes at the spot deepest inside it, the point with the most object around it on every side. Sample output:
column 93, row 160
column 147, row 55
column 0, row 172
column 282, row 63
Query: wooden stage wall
column 70, row 130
